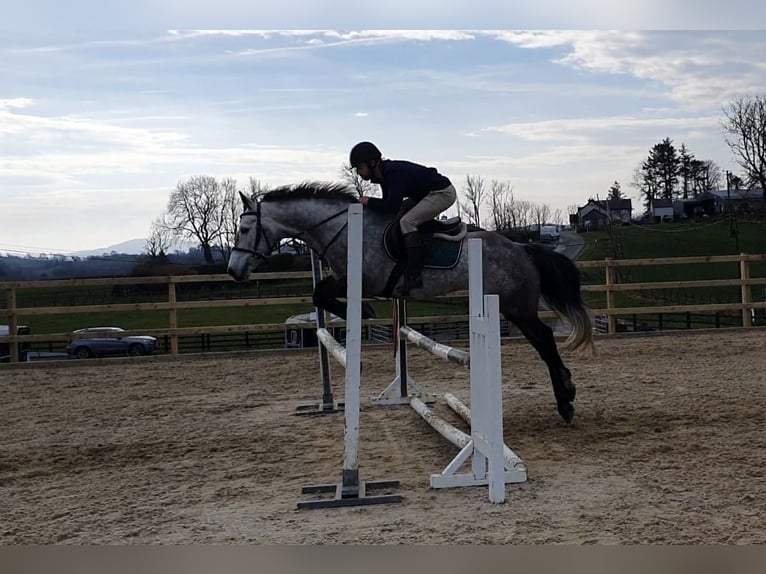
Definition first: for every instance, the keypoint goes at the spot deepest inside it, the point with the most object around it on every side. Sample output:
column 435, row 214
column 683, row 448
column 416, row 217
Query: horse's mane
column 313, row 190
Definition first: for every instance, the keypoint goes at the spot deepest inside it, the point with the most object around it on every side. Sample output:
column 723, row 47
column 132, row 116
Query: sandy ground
column 667, row 447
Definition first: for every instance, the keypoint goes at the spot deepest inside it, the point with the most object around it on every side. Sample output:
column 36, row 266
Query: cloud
column 324, row 39
column 586, row 129
column 67, row 150
column 407, row 35
column 317, row 39
column 403, row 35
column 192, row 34
column 361, row 114
column 16, row 103
column 699, row 73
column 86, row 131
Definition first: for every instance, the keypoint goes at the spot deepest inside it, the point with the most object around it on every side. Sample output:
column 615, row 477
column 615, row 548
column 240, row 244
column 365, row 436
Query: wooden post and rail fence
column 12, row 312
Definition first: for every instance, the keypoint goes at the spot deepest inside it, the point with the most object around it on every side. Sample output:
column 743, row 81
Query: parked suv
column 108, row 341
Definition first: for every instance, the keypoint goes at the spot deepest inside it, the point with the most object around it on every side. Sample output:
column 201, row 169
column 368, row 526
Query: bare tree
column 474, row 194
column 231, row 208
column 501, row 202
column 712, row 176
column 194, row 212
column 735, row 182
column 745, row 126
column 522, row 214
column 541, row 213
column 349, row 175
column 160, row 239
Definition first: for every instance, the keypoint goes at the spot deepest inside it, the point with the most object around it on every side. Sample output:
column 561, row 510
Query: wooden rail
column 611, row 287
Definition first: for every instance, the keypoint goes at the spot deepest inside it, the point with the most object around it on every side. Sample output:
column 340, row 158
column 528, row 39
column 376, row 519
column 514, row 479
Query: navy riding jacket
column 404, row 179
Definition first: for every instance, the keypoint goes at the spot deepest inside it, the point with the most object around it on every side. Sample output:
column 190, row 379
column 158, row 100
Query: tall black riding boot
column 413, row 277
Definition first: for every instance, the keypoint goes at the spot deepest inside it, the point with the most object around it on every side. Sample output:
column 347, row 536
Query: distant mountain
column 129, row 247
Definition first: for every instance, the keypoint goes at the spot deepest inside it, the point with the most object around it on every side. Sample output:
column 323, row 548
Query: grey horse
column 519, row 274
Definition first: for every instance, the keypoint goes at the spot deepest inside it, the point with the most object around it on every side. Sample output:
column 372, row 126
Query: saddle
column 442, row 242
column 442, row 245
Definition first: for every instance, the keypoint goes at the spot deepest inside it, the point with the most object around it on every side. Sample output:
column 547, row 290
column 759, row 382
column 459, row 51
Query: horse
column 520, row 274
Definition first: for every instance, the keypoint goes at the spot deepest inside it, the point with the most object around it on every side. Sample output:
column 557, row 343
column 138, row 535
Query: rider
column 398, row 179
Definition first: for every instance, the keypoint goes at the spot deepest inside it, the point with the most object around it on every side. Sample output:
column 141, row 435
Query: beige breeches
column 428, row 208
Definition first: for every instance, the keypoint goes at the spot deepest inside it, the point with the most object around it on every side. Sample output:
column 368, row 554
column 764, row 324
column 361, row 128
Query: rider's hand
column 364, row 199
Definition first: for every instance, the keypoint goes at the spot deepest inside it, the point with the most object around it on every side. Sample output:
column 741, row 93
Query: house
column 720, row 201
column 704, row 205
column 740, row 200
column 597, row 214
column 661, row 210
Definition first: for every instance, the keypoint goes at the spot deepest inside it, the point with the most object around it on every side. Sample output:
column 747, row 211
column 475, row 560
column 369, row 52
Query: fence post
column 13, row 326
column 744, row 276
column 172, row 316
column 610, row 280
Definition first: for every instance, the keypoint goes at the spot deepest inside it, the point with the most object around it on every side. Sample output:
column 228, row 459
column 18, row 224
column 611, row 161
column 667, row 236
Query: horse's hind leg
column 540, row 336
column 326, row 293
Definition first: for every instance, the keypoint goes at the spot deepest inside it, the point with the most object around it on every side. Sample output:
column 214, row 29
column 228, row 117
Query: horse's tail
column 560, row 287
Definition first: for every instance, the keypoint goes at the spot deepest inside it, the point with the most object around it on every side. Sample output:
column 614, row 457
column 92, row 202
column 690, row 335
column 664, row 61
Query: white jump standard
column 351, row 491
column 493, row 463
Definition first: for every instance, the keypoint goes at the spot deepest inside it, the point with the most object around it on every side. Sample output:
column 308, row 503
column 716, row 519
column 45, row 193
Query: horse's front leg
column 329, row 290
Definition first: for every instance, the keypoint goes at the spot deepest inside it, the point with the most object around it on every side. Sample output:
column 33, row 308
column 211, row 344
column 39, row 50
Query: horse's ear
column 246, row 201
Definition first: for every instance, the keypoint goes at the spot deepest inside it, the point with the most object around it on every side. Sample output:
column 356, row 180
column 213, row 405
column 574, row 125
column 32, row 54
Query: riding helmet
column 364, row 152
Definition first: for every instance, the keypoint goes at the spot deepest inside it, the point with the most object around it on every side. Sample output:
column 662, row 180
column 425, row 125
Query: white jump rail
column 333, row 347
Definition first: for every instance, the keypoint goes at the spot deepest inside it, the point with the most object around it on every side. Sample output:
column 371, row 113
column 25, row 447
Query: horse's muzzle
column 239, row 268
column 237, row 275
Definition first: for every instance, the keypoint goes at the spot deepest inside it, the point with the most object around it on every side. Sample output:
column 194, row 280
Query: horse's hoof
column 566, row 410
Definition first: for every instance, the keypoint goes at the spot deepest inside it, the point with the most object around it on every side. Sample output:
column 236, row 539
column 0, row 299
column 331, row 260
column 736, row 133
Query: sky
column 97, row 127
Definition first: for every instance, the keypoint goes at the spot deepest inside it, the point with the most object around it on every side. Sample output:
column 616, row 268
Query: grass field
column 63, row 323
column 677, row 240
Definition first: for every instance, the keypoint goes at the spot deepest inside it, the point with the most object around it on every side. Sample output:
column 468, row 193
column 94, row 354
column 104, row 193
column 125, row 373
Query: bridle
column 260, row 232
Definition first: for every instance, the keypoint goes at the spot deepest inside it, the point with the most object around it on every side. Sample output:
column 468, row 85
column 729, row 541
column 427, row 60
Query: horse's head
column 310, row 211
column 256, row 239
